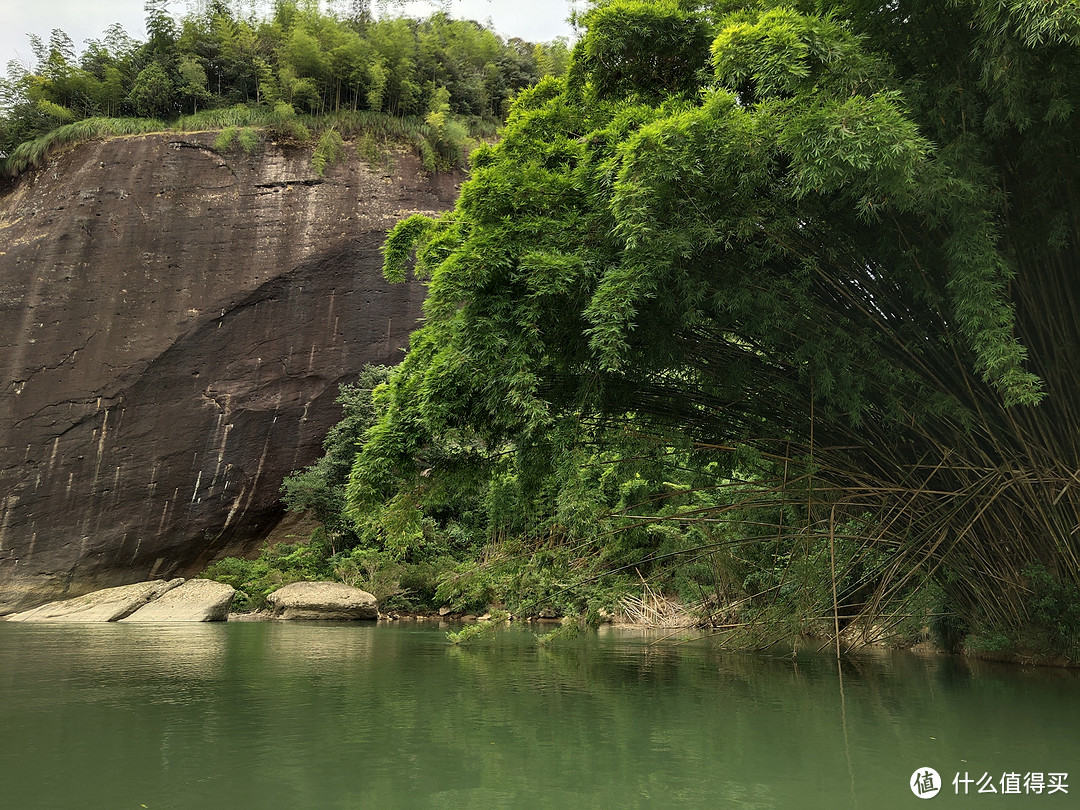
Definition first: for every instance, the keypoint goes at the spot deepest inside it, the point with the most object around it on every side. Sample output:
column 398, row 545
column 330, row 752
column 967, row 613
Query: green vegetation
column 761, row 313
column 31, row 153
column 275, row 567
column 246, row 138
column 320, row 489
column 330, row 150
column 766, row 305
column 437, row 82
column 469, row 632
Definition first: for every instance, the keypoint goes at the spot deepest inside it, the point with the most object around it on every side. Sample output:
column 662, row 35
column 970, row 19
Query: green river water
column 279, row 715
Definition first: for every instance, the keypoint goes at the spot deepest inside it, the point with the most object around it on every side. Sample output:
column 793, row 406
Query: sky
column 534, row 20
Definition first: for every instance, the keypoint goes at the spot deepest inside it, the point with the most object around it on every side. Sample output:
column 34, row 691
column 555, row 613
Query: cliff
column 174, row 326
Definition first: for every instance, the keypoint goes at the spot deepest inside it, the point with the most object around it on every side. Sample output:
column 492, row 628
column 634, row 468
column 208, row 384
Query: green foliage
column 948, row 631
column 472, row 631
column 151, row 92
column 224, row 139
column 1050, row 627
column 297, row 59
column 320, row 488
column 426, row 151
column 368, row 150
column 246, row 138
column 565, row 630
column 781, row 53
column 990, row 643
column 275, row 567
column 400, row 245
column 568, row 531
column 1054, row 609
column 62, row 115
column 378, row 134
column 398, row 583
column 835, row 241
column 638, row 48
column 32, row 154
column 448, row 139
column 329, row 150
column 237, row 115
column 193, row 86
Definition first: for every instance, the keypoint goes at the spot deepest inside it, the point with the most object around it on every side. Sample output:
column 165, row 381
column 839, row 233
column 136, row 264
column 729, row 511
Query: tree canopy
column 832, row 237
column 312, row 62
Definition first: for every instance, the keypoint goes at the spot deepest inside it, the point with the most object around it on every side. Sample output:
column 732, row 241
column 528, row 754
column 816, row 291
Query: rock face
column 108, row 605
column 174, row 326
column 322, row 600
column 197, row 600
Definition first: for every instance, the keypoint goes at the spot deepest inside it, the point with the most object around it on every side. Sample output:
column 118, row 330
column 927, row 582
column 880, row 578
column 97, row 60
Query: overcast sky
column 534, row 20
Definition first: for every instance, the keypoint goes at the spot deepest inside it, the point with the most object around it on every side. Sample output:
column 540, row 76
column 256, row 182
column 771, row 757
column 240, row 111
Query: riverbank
column 554, row 585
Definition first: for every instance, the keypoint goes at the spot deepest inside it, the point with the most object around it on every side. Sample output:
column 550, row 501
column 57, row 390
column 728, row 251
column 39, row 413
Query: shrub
column 330, row 150
column 276, row 566
column 224, row 139
column 248, row 140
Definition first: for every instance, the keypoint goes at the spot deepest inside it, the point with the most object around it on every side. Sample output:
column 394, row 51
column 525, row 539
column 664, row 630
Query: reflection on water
column 320, row 649
column 354, row 716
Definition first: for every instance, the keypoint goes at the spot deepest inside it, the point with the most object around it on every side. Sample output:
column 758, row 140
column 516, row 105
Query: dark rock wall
column 174, row 326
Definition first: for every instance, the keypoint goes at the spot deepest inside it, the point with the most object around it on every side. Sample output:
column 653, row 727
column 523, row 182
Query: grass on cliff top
column 438, row 147
column 31, row 154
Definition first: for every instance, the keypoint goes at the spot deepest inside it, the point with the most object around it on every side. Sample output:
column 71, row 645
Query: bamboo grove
column 280, row 56
column 827, row 248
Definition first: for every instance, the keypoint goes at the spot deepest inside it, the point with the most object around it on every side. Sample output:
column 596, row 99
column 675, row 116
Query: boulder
column 322, row 600
column 197, row 600
column 108, row 605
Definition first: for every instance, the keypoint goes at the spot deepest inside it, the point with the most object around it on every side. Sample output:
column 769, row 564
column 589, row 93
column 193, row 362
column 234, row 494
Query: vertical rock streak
column 179, row 321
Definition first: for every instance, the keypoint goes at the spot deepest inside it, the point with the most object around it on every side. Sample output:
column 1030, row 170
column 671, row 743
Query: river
column 296, row 716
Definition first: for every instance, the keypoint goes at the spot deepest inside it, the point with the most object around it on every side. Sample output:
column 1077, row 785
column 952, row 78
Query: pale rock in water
column 197, row 600
column 108, row 605
column 322, row 600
